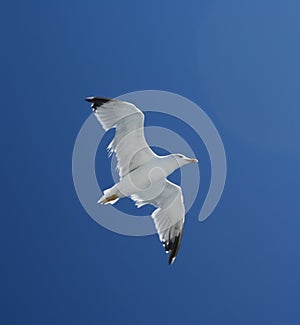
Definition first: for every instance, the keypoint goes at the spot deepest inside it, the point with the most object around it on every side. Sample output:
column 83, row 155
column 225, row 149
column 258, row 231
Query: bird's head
column 183, row 160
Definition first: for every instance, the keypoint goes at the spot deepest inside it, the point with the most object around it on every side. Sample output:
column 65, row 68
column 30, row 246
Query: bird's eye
column 180, row 156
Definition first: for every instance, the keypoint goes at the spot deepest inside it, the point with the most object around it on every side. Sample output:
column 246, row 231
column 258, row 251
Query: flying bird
column 143, row 174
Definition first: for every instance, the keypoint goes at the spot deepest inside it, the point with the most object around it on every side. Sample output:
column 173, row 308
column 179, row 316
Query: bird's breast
column 142, row 178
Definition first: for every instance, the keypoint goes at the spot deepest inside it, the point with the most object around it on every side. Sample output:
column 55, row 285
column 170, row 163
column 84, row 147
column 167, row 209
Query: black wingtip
column 97, row 101
column 173, row 246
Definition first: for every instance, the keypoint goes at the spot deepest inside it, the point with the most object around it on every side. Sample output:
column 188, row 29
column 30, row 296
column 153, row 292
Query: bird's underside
column 133, row 157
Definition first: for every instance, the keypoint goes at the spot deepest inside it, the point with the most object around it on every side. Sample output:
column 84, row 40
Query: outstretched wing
column 169, row 215
column 129, row 142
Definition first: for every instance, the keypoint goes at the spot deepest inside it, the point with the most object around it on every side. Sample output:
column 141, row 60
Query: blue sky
column 239, row 61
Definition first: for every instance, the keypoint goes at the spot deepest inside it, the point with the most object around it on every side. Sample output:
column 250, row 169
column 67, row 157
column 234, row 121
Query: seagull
column 143, row 174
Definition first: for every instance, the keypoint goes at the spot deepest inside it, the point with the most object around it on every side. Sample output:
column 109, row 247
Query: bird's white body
column 143, row 178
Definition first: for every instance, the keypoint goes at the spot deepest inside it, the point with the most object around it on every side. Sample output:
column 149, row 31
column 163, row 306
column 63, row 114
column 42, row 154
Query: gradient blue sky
column 239, row 61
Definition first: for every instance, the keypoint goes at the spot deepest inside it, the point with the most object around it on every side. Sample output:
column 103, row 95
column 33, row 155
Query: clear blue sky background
column 238, row 60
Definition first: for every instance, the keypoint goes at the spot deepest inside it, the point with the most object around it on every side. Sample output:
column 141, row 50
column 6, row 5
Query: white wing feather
column 129, row 142
column 169, row 215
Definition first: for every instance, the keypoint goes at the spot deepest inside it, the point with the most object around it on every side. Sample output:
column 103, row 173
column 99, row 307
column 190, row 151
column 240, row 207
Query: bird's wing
column 169, row 215
column 129, row 142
